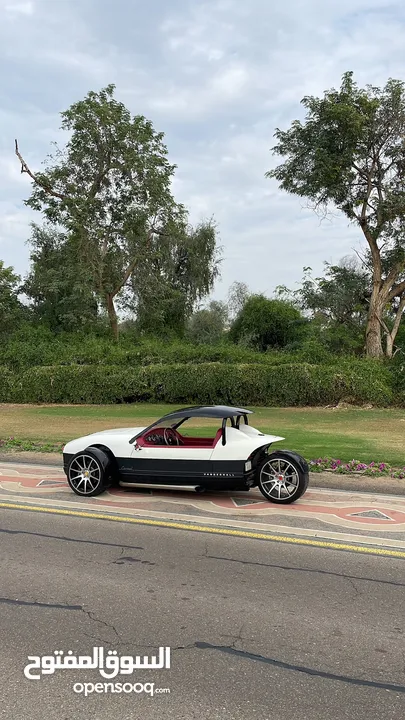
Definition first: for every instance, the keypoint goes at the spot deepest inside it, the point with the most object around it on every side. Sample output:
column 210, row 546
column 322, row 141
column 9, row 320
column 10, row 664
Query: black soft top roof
column 214, row 411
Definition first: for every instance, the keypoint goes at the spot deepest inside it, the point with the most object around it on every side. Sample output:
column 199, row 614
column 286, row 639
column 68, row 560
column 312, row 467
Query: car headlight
column 248, row 466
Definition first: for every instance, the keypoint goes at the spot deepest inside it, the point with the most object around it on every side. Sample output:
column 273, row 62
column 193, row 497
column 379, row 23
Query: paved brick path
column 343, row 512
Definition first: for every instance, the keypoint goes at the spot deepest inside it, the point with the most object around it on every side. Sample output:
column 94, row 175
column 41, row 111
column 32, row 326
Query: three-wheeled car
column 208, row 448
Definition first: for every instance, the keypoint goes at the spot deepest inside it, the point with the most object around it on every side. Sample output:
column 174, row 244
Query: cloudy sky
column 217, row 76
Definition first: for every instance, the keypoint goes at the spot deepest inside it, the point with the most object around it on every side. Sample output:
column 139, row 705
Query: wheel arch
column 258, row 455
column 105, row 455
column 302, row 471
column 293, row 455
column 106, row 473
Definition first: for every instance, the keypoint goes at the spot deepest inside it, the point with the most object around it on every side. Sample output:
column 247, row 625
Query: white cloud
column 19, row 8
column 224, row 87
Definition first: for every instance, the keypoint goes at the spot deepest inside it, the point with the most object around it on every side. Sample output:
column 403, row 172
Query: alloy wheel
column 84, row 474
column 279, row 479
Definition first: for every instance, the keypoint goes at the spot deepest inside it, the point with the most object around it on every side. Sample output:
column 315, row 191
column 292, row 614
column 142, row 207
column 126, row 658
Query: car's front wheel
column 283, row 477
column 89, row 473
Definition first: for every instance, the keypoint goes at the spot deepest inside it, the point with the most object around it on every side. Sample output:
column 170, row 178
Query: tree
column 336, row 303
column 341, row 296
column 208, row 324
column 59, row 287
column 109, row 191
column 238, row 294
column 264, row 324
column 10, row 306
column 175, row 276
column 350, row 153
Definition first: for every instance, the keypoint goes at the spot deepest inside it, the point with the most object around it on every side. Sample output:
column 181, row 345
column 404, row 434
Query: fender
column 104, row 456
column 301, row 462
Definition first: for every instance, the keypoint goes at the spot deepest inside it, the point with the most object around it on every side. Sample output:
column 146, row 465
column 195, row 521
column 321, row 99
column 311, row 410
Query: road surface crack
column 301, row 570
column 35, row 603
column 236, row 638
column 300, row 668
column 357, row 592
column 69, row 539
column 110, row 626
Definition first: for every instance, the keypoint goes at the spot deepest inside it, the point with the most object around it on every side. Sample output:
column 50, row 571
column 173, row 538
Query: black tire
column 282, row 465
column 99, row 467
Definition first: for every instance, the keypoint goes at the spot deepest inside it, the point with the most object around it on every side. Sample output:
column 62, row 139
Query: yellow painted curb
column 208, row 529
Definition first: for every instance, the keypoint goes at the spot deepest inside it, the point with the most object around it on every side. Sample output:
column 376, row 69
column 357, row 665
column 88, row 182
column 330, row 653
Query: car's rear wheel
column 90, row 473
column 282, row 479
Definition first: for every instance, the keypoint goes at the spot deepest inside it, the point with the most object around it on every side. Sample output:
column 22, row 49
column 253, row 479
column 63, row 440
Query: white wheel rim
column 84, row 474
column 279, row 479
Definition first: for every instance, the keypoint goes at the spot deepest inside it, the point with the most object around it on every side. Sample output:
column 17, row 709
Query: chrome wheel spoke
column 272, row 480
column 84, row 466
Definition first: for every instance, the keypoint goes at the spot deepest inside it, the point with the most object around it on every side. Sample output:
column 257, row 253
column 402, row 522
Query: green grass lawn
column 364, row 435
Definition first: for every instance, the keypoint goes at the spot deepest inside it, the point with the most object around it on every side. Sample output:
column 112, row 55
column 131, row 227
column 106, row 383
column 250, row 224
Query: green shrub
column 40, row 350
column 285, row 385
column 88, row 384
column 6, row 382
column 396, row 368
column 263, row 323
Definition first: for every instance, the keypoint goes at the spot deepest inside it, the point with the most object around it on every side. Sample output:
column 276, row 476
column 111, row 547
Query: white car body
column 237, row 447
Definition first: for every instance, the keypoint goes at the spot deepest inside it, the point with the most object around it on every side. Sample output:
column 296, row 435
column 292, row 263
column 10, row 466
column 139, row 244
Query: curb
column 379, row 485
column 326, row 480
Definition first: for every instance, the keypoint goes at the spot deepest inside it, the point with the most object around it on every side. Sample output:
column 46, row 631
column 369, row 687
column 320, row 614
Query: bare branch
column 35, row 178
column 398, row 317
column 375, row 252
column 362, row 173
column 396, row 291
column 362, row 260
column 363, row 218
column 320, row 209
column 132, row 265
column 384, row 326
column 391, row 277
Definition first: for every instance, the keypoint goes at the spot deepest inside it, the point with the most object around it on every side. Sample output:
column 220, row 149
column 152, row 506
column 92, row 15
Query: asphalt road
column 257, row 629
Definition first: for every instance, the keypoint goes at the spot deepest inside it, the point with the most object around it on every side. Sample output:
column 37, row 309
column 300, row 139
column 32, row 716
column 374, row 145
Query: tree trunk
column 392, row 335
column 112, row 315
column 374, row 346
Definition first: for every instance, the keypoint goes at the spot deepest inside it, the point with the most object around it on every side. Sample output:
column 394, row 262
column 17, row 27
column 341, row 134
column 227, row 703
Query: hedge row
column 33, row 349
column 211, row 383
column 20, row 354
